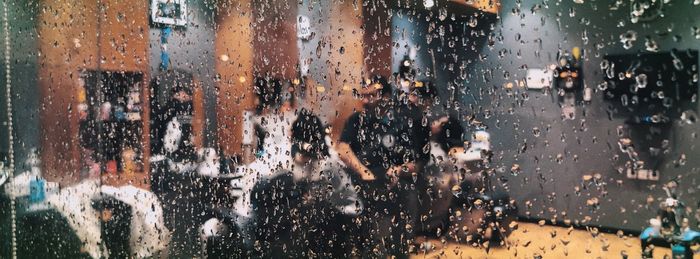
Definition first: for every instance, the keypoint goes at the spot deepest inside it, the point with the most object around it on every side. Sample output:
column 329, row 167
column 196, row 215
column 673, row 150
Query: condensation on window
column 349, row 129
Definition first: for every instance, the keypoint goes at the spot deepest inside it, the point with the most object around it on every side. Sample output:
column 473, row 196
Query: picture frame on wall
column 169, row 12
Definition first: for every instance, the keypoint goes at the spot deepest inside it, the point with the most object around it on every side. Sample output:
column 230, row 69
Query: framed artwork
column 170, row 12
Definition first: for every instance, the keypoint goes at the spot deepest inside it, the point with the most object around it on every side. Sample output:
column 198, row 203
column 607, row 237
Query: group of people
column 368, row 192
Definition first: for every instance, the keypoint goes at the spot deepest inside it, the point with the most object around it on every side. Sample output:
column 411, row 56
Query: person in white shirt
column 315, row 173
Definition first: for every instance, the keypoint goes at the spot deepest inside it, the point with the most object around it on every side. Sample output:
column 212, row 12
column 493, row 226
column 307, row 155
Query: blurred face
column 301, row 159
column 414, row 98
column 182, row 96
column 106, row 215
column 404, row 84
column 370, row 95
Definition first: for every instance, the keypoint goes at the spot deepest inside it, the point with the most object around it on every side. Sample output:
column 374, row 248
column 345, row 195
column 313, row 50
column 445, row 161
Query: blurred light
column 428, row 3
column 576, row 52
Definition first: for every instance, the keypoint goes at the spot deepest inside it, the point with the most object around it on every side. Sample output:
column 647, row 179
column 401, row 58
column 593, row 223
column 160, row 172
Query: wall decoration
column 170, row 12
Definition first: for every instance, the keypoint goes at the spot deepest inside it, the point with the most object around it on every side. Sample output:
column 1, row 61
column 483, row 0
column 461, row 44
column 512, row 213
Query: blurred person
column 456, row 172
column 313, row 191
column 326, row 199
column 132, row 222
column 178, row 145
column 266, row 129
column 108, row 221
column 385, row 146
column 267, row 142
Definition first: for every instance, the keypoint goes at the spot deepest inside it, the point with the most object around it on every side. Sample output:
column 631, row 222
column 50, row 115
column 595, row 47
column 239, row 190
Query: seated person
column 316, row 168
column 385, row 148
column 267, row 144
column 329, row 201
column 314, row 187
column 449, row 143
column 178, row 145
column 266, row 130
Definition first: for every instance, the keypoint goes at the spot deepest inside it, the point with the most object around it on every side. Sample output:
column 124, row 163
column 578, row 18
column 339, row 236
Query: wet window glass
column 349, row 129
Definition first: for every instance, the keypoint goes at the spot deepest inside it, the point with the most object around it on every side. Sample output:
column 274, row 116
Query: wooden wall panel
column 68, row 44
column 275, row 38
column 124, row 41
column 377, row 38
column 67, row 33
column 198, row 117
column 346, row 63
column 234, row 67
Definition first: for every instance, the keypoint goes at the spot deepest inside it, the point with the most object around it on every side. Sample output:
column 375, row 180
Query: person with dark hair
column 115, row 219
column 308, row 137
column 329, row 200
column 313, row 187
column 178, row 145
column 266, row 128
column 268, row 91
column 385, row 146
column 267, row 143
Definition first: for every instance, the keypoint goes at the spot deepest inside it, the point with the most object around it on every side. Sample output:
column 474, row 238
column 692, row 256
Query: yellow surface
column 549, row 242
column 491, row 6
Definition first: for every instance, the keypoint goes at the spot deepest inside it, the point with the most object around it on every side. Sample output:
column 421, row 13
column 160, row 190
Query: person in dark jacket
column 385, row 146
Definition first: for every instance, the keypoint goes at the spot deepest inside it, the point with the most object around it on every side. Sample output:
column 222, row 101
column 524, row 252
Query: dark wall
column 472, row 61
column 23, row 70
column 588, row 144
column 191, row 49
column 444, row 43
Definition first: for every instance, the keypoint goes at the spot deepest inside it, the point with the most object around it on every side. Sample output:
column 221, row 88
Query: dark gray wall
column 191, row 48
column 545, row 182
column 444, row 47
column 526, row 35
column 23, row 70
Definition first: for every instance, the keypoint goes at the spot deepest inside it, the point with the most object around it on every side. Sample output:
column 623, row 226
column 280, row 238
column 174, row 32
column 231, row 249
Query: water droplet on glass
column 651, row 45
column 696, row 32
column 641, row 80
column 628, row 38
column 689, row 117
column 603, row 86
column 473, row 21
column 610, row 72
column 442, row 14
column 456, row 190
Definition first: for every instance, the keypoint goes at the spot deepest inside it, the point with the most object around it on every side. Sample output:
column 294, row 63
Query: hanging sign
column 303, row 27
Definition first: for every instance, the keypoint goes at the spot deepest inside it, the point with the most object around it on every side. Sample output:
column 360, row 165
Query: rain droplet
column 628, row 38
column 603, row 86
column 442, row 14
column 651, row 45
column 641, row 80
